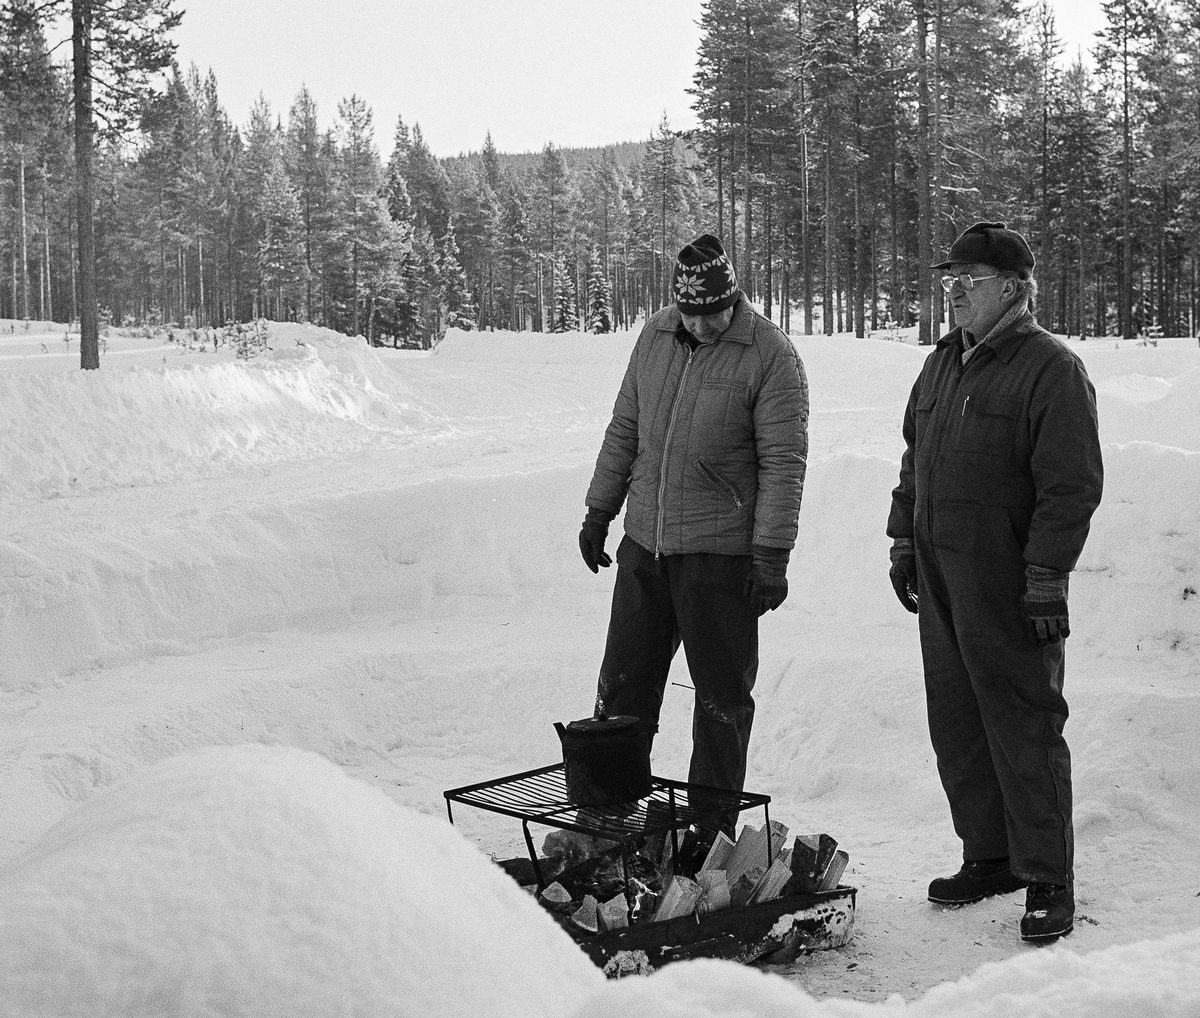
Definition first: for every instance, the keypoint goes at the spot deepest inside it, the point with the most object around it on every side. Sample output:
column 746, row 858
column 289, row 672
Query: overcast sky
column 574, row 72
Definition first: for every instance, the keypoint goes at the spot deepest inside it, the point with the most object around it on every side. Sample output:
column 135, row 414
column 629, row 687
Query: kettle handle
column 562, row 732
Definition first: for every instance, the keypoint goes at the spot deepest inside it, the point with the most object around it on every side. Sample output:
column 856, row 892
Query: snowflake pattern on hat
column 706, row 284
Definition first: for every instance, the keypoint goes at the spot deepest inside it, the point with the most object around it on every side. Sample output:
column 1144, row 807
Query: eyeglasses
column 965, row 280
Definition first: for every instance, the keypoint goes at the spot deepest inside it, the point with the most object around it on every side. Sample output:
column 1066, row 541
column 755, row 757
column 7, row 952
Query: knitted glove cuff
column 771, row 561
column 902, row 547
column 599, row 517
column 1042, row 584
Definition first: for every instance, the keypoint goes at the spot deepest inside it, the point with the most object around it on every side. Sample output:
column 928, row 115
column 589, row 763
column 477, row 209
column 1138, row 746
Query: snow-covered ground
column 218, row 580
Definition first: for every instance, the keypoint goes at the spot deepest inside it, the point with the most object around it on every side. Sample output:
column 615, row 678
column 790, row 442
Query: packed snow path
column 372, row 555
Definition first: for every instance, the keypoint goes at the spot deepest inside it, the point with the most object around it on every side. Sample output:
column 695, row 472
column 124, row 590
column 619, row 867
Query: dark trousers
column 698, row 600
column 995, row 701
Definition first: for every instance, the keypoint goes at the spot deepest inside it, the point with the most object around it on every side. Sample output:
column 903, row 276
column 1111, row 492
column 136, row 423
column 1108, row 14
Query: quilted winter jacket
column 708, row 445
column 1013, row 432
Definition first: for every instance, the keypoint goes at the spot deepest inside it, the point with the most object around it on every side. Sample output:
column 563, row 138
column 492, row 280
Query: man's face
column 706, row 328
column 982, row 306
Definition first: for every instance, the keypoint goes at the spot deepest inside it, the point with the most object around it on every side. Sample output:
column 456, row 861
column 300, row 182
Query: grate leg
column 537, row 869
column 767, row 821
column 674, row 825
column 628, row 895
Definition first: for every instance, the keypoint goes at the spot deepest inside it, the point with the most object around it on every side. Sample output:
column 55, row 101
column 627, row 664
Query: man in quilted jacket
column 706, row 450
column 998, row 483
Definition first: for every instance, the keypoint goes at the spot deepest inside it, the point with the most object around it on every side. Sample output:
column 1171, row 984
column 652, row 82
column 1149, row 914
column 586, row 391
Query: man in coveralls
column 998, row 483
column 708, row 442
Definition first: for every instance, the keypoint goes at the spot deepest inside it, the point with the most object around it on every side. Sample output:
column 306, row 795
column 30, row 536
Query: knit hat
column 991, row 244
column 704, row 280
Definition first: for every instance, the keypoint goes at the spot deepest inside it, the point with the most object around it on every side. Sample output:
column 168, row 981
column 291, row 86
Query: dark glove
column 592, row 537
column 904, row 573
column 1045, row 605
column 766, row 586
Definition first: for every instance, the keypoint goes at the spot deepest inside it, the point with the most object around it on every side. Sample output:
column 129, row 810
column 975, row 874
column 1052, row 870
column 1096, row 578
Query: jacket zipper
column 720, row 482
column 662, row 467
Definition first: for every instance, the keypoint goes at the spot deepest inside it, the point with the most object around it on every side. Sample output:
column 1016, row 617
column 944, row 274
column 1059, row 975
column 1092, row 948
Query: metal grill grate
column 540, row 796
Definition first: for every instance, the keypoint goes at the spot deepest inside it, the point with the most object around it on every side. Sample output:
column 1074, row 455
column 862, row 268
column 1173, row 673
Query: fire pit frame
column 773, row 931
column 540, row 796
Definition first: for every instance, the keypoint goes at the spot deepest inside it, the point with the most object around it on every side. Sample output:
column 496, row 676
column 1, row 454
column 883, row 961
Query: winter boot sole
column 1042, row 938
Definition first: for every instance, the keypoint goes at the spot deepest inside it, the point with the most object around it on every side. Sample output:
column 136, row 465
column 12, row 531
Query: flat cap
column 991, row 244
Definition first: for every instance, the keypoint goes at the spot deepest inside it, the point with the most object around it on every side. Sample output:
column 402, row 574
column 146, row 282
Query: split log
column 585, row 917
column 714, row 889
column 742, row 888
column 557, row 894
column 750, row 851
column 680, row 898
column 811, row 856
column 779, row 833
column 613, row 914
column 720, row 853
column 837, row 866
column 774, row 880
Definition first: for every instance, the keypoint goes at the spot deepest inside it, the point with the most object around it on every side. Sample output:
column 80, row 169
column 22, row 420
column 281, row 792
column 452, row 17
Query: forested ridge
column 840, row 146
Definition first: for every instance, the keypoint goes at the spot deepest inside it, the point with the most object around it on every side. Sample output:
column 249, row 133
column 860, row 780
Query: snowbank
column 1151, row 979
column 195, row 415
column 262, row 881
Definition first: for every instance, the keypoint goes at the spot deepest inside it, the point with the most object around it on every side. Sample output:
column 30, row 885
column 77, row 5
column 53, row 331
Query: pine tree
column 599, row 309
column 455, row 293
column 372, row 243
column 116, row 52
column 515, row 255
column 311, row 175
column 566, row 301
column 29, row 92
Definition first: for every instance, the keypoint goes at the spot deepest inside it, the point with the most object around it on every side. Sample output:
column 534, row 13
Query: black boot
column 1049, row 912
column 974, row 882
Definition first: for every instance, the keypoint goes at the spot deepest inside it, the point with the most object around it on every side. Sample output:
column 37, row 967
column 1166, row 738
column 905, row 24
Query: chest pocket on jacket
column 718, row 408
column 987, row 424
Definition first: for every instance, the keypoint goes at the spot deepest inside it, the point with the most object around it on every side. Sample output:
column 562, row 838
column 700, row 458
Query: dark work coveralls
column 1002, row 468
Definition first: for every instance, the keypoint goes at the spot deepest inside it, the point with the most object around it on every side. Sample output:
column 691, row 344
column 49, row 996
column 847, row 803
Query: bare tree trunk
column 202, row 316
column 24, row 236
column 805, row 260
column 924, row 245
column 785, row 284
column 1125, row 278
column 81, row 39
column 748, row 209
column 71, row 262
column 857, row 275
column 937, row 227
column 733, row 247
column 720, row 181
column 769, row 278
column 827, row 308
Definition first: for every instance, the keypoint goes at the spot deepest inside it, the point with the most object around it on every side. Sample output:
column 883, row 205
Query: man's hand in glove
column 592, row 537
column 766, row 586
column 904, row 573
column 1045, row 605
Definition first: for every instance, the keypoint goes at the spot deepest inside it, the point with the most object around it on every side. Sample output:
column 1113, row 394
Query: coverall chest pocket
column 924, row 417
column 987, row 424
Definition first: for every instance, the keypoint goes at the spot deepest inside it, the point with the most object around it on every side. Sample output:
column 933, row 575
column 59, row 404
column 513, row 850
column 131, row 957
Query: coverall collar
column 1003, row 346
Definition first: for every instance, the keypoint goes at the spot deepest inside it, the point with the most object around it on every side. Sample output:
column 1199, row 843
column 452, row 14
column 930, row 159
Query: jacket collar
column 1005, row 345
column 741, row 328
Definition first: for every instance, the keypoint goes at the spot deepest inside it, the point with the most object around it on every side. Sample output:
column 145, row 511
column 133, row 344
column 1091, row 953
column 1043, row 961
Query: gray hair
column 1027, row 290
